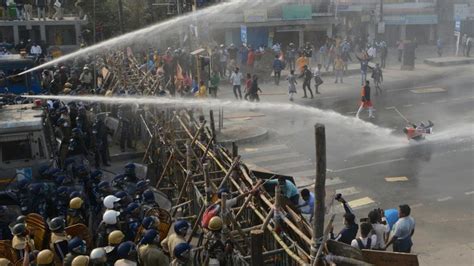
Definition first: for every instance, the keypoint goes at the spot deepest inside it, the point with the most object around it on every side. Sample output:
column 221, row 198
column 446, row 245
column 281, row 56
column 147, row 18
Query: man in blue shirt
column 308, row 203
column 277, row 68
column 349, row 232
column 364, row 64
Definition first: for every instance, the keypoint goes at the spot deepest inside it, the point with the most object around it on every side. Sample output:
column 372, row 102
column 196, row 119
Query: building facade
column 65, row 34
column 298, row 23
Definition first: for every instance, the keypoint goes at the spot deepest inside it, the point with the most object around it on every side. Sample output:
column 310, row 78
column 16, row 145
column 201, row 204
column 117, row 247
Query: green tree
column 136, row 14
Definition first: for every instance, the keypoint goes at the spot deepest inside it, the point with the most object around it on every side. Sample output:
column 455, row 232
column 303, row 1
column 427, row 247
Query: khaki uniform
column 151, row 255
column 58, row 237
column 19, row 244
column 170, row 242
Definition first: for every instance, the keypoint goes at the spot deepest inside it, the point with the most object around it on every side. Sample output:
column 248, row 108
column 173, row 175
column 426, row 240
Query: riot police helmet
column 181, row 227
column 56, row 224
column 125, row 249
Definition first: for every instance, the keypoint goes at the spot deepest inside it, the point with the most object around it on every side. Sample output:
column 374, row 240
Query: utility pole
column 95, row 22
column 381, row 11
column 120, row 6
column 319, row 190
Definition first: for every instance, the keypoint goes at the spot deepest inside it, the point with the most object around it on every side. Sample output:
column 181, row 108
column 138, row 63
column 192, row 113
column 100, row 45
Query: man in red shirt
column 365, row 100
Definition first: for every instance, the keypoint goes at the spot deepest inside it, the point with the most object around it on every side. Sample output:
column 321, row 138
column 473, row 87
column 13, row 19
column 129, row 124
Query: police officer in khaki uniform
column 21, row 240
column 115, row 238
column 149, row 253
column 172, row 240
column 59, row 238
column 75, row 212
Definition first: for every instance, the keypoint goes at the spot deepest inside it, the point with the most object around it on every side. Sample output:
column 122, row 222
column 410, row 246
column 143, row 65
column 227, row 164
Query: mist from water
column 151, row 35
column 457, row 133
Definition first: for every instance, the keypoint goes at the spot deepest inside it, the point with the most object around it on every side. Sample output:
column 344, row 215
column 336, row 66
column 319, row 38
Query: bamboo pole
column 165, row 169
column 198, row 133
column 196, row 223
column 232, row 166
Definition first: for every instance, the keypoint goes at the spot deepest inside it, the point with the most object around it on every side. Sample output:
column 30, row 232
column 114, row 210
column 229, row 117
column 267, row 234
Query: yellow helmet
column 215, row 224
column 45, row 256
column 76, row 203
column 115, row 237
column 5, row 262
column 80, row 261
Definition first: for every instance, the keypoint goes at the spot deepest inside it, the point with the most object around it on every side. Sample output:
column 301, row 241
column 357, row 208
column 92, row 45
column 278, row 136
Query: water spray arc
column 322, row 115
column 159, row 30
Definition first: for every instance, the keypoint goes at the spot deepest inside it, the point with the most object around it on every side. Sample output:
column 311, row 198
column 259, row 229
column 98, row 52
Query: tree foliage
column 136, row 14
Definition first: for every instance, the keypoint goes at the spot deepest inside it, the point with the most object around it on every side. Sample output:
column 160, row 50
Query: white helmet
column 98, row 255
column 109, row 201
column 110, row 217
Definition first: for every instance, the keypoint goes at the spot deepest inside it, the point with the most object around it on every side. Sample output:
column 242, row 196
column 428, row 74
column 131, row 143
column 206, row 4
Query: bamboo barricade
column 191, row 168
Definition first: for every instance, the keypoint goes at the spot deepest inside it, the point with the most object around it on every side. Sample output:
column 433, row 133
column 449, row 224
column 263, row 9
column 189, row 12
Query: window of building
column 61, row 35
column 6, row 34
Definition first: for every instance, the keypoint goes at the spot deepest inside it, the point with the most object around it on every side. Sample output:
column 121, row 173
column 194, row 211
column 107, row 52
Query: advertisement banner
column 243, row 33
column 255, row 15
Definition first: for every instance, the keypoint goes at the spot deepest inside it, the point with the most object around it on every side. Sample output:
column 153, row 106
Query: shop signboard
column 411, row 20
column 297, row 12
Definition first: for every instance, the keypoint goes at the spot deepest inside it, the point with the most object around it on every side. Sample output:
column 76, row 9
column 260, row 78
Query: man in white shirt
column 372, row 52
column 36, row 50
column 236, row 80
column 365, row 240
column 276, row 48
column 402, row 231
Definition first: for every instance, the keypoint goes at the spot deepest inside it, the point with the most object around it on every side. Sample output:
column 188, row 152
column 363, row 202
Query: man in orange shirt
column 250, row 59
column 301, row 62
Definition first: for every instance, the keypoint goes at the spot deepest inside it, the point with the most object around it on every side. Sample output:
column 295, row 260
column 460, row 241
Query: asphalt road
column 435, row 175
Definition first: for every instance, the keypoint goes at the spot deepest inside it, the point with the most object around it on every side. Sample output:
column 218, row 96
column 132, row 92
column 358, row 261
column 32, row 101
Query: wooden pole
column 207, row 188
column 319, row 189
column 235, row 150
column 277, row 212
column 213, row 125
column 256, row 247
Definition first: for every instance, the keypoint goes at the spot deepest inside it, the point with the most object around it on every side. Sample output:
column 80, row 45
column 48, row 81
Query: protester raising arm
column 349, row 232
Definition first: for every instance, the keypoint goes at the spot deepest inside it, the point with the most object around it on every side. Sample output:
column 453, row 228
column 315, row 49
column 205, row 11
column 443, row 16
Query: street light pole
column 120, row 6
column 381, row 11
column 95, row 22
